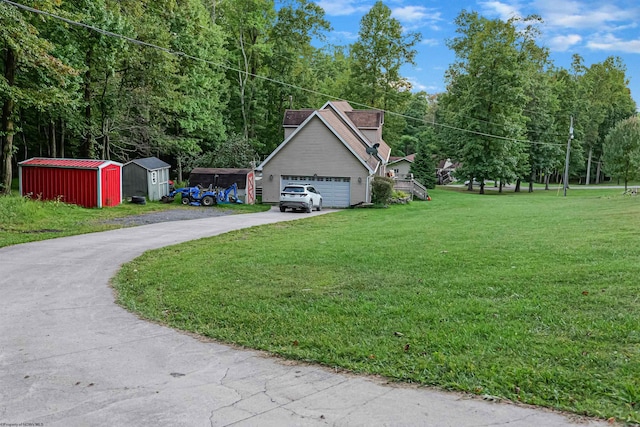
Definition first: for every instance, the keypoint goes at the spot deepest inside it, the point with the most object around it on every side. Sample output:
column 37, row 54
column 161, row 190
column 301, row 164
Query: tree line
column 206, row 82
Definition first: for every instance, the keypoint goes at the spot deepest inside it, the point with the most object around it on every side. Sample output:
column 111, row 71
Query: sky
column 593, row 29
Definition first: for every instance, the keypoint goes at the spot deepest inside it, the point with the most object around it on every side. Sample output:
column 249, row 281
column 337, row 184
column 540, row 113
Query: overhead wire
column 265, row 78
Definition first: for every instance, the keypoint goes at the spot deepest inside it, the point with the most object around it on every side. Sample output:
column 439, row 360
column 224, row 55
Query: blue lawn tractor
column 199, row 196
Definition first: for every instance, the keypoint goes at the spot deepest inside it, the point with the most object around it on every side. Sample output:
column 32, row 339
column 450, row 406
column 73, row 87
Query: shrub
column 382, row 190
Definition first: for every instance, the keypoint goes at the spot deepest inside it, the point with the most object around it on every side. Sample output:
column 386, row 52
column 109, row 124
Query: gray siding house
column 401, row 166
column 147, row 177
column 336, row 149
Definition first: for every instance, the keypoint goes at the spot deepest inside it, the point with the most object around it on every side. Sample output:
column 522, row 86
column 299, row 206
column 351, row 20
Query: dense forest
column 206, row 83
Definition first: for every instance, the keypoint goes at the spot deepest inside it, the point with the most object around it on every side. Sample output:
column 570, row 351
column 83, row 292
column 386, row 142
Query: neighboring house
column 336, row 148
column 148, row 177
column 401, row 166
column 445, row 171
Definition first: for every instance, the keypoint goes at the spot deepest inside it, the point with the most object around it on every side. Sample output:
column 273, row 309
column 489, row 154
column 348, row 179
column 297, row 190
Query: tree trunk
column 587, row 180
column 8, row 129
column 532, row 178
column 598, row 171
column 546, row 181
column 105, row 140
column 243, row 86
column 61, row 126
column 517, row 190
column 52, row 139
column 86, row 150
column 500, row 186
column 481, row 186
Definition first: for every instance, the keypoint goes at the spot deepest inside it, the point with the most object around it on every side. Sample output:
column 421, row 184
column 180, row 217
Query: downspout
column 368, row 192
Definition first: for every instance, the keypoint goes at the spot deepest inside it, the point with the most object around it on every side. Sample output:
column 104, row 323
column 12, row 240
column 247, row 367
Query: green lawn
column 529, row 297
column 24, row 220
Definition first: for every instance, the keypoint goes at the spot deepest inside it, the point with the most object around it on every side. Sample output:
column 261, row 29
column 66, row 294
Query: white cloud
column 345, row 35
column 415, row 14
column 609, row 42
column 563, row 43
column 414, row 17
column 582, row 14
column 503, row 10
column 343, row 7
column 430, row 42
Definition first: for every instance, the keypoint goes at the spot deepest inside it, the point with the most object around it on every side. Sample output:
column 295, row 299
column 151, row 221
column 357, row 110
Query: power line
column 230, row 68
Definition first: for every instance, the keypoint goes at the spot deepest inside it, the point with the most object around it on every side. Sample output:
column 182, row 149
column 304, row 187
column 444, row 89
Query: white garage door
column 335, row 191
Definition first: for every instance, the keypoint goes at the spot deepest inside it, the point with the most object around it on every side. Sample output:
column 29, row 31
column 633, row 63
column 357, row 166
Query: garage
column 335, row 191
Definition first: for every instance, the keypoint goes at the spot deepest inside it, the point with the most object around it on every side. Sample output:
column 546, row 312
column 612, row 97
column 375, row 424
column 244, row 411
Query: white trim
column 99, row 175
column 399, row 160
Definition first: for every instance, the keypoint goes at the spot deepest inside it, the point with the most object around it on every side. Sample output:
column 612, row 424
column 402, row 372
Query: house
column 445, row 171
column 148, row 177
column 401, row 166
column 336, row 148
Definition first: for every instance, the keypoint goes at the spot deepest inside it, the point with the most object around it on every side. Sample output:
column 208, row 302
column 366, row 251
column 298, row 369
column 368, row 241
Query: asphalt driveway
column 69, row 356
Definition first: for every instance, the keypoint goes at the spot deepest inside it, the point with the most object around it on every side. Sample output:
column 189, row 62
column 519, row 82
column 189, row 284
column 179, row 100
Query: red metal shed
column 88, row 183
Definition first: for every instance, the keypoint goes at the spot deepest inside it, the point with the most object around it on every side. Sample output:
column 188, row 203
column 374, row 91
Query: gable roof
column 410, row 158
column 345, row 123
column 342, row 131
column 67, row 163
column 370, row 119
column 335, row 125
column 150, row 163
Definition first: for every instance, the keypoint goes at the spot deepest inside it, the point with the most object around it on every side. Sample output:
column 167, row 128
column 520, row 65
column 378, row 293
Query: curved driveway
column 69, row 356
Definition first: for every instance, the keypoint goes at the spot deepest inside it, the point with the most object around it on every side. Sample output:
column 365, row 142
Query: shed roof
column 410, row 158
column 221, row 171
column 150, row 163
column 67, row 163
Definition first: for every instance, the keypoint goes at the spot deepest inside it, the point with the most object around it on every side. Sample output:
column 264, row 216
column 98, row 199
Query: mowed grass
column 25, row 220
column 528, row 297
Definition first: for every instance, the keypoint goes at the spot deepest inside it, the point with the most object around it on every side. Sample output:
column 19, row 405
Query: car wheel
column 282, row 209
column 207, row 201
column 319, row 208
column 186, row 200
column 310, row 206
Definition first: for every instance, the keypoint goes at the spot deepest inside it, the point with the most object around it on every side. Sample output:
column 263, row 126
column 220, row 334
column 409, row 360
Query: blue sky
column 593, row 29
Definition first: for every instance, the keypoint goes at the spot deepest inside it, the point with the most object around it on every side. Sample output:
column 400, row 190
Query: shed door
column 335, row 191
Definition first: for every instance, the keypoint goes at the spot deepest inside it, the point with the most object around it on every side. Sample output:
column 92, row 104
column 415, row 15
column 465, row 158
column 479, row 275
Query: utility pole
column 566, row 162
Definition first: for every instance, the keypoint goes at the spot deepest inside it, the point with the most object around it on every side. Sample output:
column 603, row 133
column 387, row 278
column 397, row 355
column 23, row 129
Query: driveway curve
column 69, row 356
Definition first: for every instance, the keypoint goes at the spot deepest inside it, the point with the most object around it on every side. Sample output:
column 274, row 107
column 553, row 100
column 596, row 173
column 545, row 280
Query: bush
column 382, row 190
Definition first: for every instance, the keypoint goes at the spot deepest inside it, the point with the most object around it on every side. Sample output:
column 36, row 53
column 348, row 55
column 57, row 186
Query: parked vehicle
column 300, row 197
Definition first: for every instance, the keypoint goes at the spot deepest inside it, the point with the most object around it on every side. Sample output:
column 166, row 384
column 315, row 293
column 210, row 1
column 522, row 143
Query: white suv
column 300, row 196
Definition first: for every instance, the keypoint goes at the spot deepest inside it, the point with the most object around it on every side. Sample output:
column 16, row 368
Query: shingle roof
column 349, row 137
column 367, row 119
column 151, row 163
column 295, row 117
